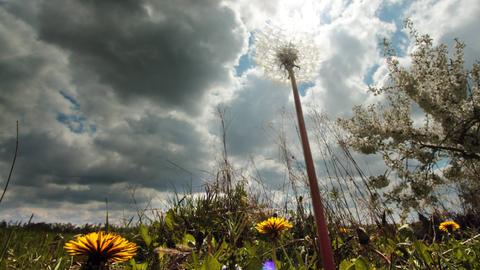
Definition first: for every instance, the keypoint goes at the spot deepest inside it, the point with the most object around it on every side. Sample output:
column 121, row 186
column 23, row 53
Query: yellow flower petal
column 102, row 246
column 273, row 226
column 448, row 226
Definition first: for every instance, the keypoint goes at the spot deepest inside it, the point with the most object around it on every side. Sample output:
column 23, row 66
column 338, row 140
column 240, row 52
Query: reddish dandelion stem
column 318, row 209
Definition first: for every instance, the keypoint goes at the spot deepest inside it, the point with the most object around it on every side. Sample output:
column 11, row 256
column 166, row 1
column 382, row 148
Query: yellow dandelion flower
column 101, row 248
column 343, row 230
column 449, row 226
column 273, row 226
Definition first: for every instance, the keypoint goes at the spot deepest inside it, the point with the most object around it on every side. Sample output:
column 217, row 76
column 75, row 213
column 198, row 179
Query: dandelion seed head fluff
column 276, row 51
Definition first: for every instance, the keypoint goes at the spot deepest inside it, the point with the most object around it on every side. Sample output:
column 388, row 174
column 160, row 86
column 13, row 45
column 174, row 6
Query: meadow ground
column 224, row 231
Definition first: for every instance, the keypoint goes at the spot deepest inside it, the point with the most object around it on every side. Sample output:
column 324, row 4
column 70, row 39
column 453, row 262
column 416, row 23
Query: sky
column 119, row 99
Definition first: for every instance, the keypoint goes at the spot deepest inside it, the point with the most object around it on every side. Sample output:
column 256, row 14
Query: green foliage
column 229, row 240
column 30, row 249
column 359, row 263
column 138, row 266
column 422, row 253
column 147, row 239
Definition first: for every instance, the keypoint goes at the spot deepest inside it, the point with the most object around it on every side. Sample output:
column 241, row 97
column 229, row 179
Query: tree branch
column 464, row 153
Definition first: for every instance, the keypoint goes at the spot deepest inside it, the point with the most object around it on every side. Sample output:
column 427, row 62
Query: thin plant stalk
column 274, row 253
column 11, row 168
column 318, row 209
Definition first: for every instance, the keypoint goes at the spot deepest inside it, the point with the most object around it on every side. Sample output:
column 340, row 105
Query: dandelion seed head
column 276, row 51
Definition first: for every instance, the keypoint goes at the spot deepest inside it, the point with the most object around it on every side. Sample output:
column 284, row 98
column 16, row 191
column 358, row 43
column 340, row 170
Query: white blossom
column 449, row 96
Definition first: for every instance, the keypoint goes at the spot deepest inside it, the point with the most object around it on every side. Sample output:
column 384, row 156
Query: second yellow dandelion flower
column 449, row 226
column 273, row 226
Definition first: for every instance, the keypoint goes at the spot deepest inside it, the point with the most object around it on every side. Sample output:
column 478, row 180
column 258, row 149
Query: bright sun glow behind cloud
column 294, row 16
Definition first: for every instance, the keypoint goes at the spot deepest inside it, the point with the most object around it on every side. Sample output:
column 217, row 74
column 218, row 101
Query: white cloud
column 156, row 140
column 353, row 48
column 446, row 20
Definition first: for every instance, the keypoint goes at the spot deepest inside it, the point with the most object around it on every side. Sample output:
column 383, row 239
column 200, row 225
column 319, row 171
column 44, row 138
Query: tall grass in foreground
column 218, row 229
column 31, row 247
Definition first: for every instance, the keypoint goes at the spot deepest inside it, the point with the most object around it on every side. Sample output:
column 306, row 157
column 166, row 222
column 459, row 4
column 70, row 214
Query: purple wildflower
column 268, row 265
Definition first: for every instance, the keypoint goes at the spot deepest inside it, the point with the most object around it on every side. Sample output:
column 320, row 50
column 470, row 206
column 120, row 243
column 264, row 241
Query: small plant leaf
column 361, row 264
column 346, row 265
column 58, row 264
column 140, row 266
column 145, row 235
column 188, row 240
column 422, row 251
column 169, row 219
column 211, row 263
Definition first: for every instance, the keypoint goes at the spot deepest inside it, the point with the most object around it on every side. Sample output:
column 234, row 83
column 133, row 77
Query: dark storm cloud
column 273, row 179
column 85, row 80
column 142, row 152
column 152, row 145
column 14, row 71
column 43, row 158
column 255, row 106
column 168, row 51
column 55, row 196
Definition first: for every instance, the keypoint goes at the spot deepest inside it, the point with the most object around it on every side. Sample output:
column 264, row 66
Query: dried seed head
column 287, row 56
column 277, row 51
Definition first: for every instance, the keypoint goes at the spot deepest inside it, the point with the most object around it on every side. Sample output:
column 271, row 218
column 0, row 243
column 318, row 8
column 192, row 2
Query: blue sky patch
column 303, row 87
column 368, row 78
column 75, row 104
column 245, row 62
column 395, row 13
column 76, row 123
column 442, row 163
